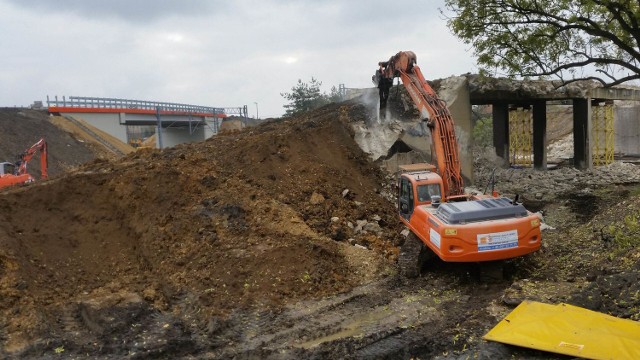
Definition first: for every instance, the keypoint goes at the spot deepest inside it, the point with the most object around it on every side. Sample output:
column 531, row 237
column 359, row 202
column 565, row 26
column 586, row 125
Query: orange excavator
column 16, row 173
column 456, row 226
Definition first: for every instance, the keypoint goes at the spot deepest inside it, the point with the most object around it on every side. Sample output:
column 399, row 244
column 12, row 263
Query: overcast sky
column 213, row 52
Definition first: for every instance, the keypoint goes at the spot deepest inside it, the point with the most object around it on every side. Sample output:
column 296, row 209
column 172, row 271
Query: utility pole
column 257, row 117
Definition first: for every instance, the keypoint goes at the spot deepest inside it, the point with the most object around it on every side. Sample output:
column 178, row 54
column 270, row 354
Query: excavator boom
column 28, row 155
column 435, row 112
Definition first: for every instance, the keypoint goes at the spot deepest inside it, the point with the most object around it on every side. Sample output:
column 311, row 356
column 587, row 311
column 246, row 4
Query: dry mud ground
column 242, row 247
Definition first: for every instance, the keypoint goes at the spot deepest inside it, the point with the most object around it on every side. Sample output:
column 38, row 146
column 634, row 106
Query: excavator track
column 412, row 256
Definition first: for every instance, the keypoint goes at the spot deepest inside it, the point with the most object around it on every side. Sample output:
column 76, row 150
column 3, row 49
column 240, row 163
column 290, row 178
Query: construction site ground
column 280, row 241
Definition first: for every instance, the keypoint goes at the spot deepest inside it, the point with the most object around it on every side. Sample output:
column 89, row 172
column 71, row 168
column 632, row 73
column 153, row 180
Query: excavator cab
column 7, row 168
column 418, row 188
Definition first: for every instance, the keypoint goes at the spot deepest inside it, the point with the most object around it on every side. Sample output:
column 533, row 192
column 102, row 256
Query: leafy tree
column 483, row 132
column 567, row 39
column 307, row 96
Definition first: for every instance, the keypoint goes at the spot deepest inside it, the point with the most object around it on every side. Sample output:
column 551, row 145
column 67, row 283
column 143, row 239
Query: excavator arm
column 26, row 156
column 433, row 110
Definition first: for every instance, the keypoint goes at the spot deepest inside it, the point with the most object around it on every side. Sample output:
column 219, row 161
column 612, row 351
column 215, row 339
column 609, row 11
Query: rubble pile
column 544, row 184
column 258, row 218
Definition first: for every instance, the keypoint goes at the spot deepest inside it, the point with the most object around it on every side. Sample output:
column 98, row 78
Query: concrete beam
column 540, row 135
column 615, row 93
column 500, row 114
column 582, row 158
column 487, row 90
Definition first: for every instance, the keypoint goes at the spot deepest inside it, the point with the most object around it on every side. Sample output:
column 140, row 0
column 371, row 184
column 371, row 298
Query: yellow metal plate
column 569, row 330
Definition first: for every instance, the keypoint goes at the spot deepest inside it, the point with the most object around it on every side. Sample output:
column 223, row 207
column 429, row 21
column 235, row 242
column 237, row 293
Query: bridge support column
column 540, row 135
column 500, row 114
column 581, row 132
column 159, row 129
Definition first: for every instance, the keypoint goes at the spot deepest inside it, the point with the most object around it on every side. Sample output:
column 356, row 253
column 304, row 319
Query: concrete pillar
column 455, row 92
column 540, row 135
column 210, row 126
column 159, row 132
column 501, row 129
column 581, row 132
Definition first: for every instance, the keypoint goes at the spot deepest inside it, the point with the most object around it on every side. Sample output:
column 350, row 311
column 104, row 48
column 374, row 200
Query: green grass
column 635, row 191
column 626, row 233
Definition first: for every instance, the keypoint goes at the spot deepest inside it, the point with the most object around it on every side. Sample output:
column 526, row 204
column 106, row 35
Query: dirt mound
column 243, row 220
column 21, row 128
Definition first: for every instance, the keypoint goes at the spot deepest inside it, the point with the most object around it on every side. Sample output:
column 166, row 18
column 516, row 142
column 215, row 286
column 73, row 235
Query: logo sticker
column 497, row 241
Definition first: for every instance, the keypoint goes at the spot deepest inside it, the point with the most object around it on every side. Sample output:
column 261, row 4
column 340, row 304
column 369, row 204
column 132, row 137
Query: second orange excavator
column 16, row 173
column 432, row 203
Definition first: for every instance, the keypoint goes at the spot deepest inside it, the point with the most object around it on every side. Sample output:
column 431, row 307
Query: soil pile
column 161, row 244
column 21, row 128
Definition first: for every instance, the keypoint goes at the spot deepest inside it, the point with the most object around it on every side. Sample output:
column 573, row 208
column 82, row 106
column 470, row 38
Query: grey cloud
column 141, row 11
column 212, row 53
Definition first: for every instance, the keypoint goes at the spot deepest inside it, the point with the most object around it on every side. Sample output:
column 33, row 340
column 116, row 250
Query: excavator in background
column 16, row 173
column 432, row 203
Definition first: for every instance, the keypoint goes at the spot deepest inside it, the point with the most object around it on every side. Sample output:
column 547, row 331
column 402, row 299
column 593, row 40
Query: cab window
column 405, row 189
column 425, row 192
column 405, row 198
column 7, row 168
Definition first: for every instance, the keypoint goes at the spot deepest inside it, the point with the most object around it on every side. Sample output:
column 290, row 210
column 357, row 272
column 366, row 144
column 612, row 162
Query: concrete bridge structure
column 130, row 120
column 587, row 97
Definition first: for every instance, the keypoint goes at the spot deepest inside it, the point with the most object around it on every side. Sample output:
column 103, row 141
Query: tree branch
column 607, row 74
column 567, row 82
column 552, row 37
column 594, row 29
column 616, row 10
column 604, row 83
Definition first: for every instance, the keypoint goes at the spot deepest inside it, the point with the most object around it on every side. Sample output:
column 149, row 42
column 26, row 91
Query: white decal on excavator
column 434, row 236
column 498, row 241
